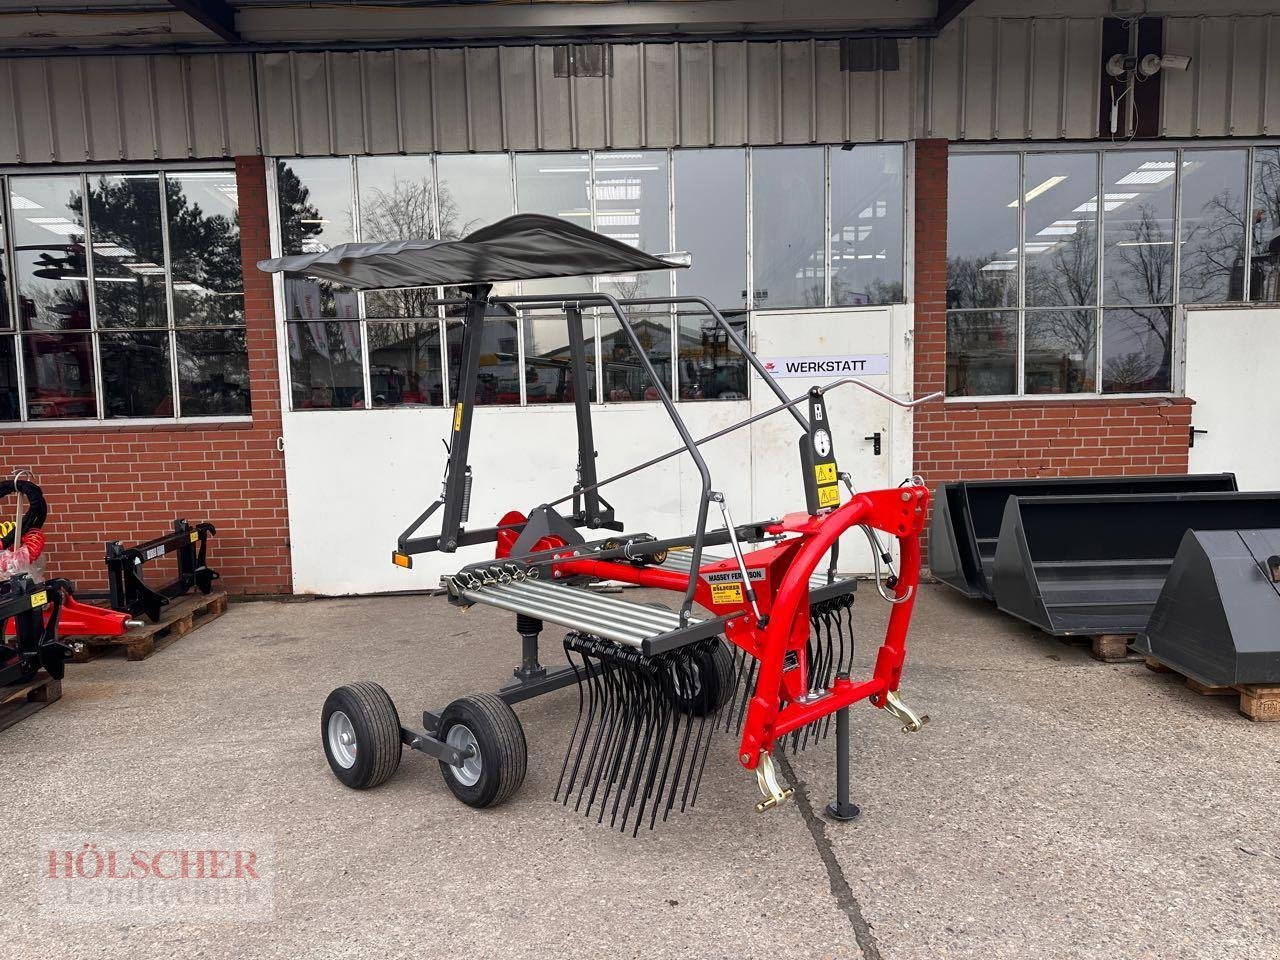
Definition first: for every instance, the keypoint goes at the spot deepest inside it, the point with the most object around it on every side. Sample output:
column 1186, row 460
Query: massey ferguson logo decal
column 732, row 576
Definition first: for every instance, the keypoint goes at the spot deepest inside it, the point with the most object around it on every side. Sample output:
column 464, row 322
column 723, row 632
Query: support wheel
column 489, row 729
column 360, row 730
column 713, row 680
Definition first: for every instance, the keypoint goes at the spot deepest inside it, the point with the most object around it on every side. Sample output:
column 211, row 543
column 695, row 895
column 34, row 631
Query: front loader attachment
column 1095, row 565
column 1218, row 617
column 967, row 516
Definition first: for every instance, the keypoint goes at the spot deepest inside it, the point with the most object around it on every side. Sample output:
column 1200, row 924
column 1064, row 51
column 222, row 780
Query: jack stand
column 841, row 808
column 529, row 669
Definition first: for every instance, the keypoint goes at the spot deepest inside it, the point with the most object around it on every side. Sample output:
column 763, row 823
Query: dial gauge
column 822, row 443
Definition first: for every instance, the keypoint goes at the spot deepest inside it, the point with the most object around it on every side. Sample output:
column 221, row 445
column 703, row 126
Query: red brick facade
column 1017, row 438
column 122, row 482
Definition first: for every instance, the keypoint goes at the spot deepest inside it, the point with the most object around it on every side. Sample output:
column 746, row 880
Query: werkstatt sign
column 853, row 365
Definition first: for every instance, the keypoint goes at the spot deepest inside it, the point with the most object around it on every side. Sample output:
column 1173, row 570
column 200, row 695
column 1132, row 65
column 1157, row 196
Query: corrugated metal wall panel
column 1233, row 85
column 984, row 78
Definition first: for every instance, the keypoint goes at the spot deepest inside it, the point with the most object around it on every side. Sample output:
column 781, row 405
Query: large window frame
column 1177, row 305
column 665, row 288
column 87, row 173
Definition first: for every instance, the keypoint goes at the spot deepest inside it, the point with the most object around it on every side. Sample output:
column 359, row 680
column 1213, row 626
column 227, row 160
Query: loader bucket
column 1217, row 618
column 967, row 514
column 1095, row 565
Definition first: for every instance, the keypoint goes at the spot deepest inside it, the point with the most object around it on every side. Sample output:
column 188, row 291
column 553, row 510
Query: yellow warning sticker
column 195, row 536
column 39, row 599
column 829, row 496
column 825, row 472
column 457, row 417
column 726, row 593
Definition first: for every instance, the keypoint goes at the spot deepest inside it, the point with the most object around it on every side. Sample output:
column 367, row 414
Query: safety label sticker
column 824, row 472
column 829, row 496
column 726, row 592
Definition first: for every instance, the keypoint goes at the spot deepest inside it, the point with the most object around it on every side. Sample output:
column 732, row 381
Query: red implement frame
column 775, row 708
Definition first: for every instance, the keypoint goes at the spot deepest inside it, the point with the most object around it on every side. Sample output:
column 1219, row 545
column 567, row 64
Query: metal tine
column 607, row 718
column 715, row 723
column 668, row 679
column 843, row 614
column 747, row 690
column 740, row 658
column 653, row 707
column 639, row 710
column 595, row 700
column 564, row 768
column 684, row 748
column 701, row 656
column 665, row 712
column 621, row 719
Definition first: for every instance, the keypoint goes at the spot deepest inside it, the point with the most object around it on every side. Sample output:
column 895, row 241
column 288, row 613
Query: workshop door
column 1232, row 372
column 871, row 437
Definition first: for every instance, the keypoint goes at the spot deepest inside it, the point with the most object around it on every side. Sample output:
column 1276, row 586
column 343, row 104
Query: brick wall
column 1017, row 438
column 121, row 482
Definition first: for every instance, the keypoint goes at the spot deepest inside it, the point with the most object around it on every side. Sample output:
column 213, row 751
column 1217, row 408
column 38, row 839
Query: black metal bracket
column 432, row 747
column 130, row 593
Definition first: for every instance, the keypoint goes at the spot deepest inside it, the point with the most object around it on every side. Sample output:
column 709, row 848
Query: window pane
column 982, row 230
column 204, row 247
column 213, row 373
column 395, row 198
column 128, row 250
column 1135, row 350
column 787, row 197
column 548, row 369
column 324, row 365
column 555, row 184
column 711, row 225
column 475, row 191
column 315, row 204
column 711, row 368
column 1061, row 247
column 136, row 377
column 866, row 225
column 58, row 368
column 625, row 376
column 1061, row 351
column 1212, row 217
column 632, row 206
column 498, row 379
column 1137, row 258
column 48, row 252
column 307, row 299
column 404, row 364
column 5, row 320
column 982, row 353
column 9, row 409
column 1264, row 226
column 411, row 303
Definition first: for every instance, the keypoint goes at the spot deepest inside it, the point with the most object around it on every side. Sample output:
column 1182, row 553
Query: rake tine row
column 637, row 745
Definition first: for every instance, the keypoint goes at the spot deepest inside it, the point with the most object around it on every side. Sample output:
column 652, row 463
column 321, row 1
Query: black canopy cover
column 528, row 246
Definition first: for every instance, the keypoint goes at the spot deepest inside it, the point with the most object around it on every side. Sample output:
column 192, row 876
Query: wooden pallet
column 1107, row 647
column 1258, row 702
column 179, row 618
column 23, row 699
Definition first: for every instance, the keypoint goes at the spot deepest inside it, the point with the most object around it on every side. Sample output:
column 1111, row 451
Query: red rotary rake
column 772, row 663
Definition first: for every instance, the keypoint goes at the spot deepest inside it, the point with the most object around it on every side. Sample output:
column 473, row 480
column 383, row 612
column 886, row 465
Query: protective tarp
column 966, row 517
column 527, row 246
column 1216, row 618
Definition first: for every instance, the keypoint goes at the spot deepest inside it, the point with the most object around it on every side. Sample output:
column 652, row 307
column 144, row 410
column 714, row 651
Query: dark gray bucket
column 1096, row 565
column 967, row 514
column 1218, row 617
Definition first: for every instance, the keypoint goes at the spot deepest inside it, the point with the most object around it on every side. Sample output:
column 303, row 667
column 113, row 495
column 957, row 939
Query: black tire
column 499, row 739
column 375, row 754
column 714, row 682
